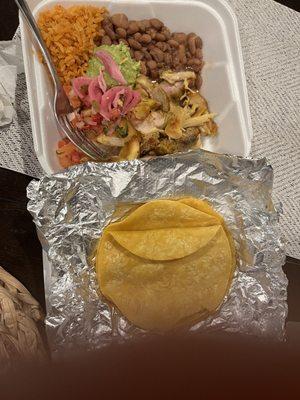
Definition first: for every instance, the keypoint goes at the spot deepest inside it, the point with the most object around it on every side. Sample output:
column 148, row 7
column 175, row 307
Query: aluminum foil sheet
column 70, row 210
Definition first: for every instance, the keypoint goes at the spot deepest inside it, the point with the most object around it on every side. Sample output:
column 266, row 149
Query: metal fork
column 61, row 104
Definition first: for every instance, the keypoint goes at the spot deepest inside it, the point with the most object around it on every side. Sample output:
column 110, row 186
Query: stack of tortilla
column 169, row 263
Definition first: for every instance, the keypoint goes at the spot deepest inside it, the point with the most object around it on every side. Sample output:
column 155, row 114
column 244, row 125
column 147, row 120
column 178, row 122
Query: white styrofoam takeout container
column 224, row 84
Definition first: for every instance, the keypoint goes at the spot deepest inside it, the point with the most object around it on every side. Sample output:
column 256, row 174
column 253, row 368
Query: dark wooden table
column 20, row 250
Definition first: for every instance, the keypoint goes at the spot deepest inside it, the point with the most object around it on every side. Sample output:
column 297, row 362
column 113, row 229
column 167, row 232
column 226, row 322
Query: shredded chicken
column 173, row 77
column 170, row 116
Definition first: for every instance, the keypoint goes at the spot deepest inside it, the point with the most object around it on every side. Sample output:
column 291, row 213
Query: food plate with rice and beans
column 134, row 84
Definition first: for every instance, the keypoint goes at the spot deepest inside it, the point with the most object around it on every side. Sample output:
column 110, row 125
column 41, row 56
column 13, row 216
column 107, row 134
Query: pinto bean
column 151, row 32
column 181, row 54
column 142, row 26
column 134, row 44
column 137, row 36
column 199, row 81
column 146, row 23
column 101, row 32
column 151, row 64
column 120, row 20
column 195, row 64
column 192, row 45
column 180, row 37
column 144, row 69
column 146, row 54
column 138, row 55
column 160, row 37
column 199, row 42
column 156, row 23
column 98, row 40
column 168, row 47
column 162, row 46
column 168, row 59
column 166, row 32
column 198, row 54
column 106, row 22
column 192, row 34
column 110, row 32
column 195, row 61
column 121, row 32
column 157, row 54
column 106, row 40
column 133, row 28
column 173, row 43
column 145, row 38
column 151, row 46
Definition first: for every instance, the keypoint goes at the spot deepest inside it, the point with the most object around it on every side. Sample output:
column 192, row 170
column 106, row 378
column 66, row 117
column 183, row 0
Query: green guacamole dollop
column 120, row 53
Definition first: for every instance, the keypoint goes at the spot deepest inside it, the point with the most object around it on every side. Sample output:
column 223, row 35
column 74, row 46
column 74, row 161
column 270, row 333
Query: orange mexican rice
column 69, row 34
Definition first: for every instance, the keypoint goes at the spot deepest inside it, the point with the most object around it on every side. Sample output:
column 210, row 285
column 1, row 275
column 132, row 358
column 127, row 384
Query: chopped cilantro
column 122, row 131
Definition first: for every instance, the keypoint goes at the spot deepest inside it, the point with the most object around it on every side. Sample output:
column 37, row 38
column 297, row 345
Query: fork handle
column 25, row 10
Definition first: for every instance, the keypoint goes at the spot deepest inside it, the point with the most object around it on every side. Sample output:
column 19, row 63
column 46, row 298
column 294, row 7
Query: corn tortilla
column 159, row 214
column 166, row 264
column 166, row 244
